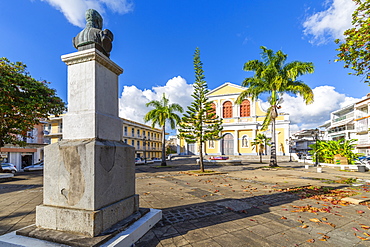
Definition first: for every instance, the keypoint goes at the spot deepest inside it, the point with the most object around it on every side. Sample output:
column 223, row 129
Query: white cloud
column 330, row 23
column 74, row 10
column 132, row 101
column 326, row 101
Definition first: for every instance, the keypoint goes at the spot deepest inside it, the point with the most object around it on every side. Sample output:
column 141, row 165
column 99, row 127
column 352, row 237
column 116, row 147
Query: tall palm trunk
column 273, row 161
column 201, row 164
column 163, row 162
column 260, row 153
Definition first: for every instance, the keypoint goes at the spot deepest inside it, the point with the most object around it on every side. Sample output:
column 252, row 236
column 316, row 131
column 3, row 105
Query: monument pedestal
column 89, row 183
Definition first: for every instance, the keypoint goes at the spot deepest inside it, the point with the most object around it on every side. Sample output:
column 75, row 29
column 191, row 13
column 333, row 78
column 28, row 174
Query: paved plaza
column 245, row 205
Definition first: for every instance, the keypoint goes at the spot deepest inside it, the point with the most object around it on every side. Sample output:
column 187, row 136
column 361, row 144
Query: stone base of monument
column 124, row 233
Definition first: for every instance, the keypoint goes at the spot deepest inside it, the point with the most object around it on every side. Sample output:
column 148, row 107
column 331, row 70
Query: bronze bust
column 92, row 36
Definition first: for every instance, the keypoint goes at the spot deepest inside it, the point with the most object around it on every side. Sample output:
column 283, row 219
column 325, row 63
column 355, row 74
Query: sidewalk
column 243, row 205
column 247, row 206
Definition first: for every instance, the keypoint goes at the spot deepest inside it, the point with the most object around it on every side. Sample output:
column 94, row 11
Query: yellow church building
column 241, row 124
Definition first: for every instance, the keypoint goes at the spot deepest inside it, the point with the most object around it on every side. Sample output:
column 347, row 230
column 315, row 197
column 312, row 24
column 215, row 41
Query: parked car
column 157, row 160
column 35, row 167
column 139, row 161
column 306, row 156
column 218, row 158
column 9, row 167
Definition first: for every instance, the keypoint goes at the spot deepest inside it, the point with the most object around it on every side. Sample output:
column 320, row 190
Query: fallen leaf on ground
column 283, row 218
column 315, row 220
column 311, row 240
column 330, row 224
column 365, row 227
column 304, row 226
column 362, row 238
column 324, row 219
column 357, row 230
column 360, row 212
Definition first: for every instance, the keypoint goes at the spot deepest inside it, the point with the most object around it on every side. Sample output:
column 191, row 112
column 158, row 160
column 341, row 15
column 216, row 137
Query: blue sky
column 154, row 42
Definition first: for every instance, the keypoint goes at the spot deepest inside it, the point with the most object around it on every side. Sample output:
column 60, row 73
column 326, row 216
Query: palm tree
column 275, row 77
column 162, row 112
column 259, row 143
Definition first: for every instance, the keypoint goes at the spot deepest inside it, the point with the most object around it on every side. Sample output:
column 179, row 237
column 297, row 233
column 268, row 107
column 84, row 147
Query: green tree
column 326, row 150
column 274, row 76
column 259, row 143
column 354, row 50
column 24, row 101
column 200, row 122
column 163, row 111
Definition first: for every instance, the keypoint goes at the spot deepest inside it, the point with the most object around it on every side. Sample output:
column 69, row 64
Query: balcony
column 360, row 114
column 362, row 126
column 147, row 149
column 340, row 129
column 344, row 117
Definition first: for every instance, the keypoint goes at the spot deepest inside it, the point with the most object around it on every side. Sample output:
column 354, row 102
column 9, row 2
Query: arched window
column 213, row 106
column 245, row 141
column 211, row 144
column 245, row 108
column 227, row 110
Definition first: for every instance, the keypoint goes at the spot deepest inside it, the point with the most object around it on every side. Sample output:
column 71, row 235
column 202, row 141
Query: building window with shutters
column 245, row 108
column 227, row 110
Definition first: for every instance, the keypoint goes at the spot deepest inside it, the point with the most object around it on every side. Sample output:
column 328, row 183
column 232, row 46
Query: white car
column 35, row 167
column 9, row 167
column 139, row 161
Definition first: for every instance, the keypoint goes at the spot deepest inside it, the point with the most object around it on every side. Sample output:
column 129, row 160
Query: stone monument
column 89, row 176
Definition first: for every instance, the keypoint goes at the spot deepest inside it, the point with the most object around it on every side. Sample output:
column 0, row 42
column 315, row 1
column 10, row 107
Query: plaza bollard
column 306, row 166
column 319, row 169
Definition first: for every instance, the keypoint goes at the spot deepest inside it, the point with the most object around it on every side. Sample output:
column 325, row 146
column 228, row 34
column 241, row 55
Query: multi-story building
column 241, row 124
column 302, row 140
column 342, row 124
column 146, row 140
column 53, row 129
column 351, row 122
column 361, row 121
column 29, row 154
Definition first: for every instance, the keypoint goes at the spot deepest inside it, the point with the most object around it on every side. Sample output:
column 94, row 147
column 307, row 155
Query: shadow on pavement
column 177, row 221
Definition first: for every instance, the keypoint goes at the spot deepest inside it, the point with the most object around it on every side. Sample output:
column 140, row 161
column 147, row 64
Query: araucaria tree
column 355, row 50
column 274, row 76
column 200, row 122
column 24, row 101
column 163, row 111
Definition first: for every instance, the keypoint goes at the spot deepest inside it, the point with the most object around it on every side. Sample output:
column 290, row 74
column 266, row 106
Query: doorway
column 228, row 144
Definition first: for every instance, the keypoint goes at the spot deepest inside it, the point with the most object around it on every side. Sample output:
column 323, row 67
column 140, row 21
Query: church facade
column 241, row 124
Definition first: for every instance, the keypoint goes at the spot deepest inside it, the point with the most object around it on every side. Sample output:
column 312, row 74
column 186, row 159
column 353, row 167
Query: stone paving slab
column 242, row 207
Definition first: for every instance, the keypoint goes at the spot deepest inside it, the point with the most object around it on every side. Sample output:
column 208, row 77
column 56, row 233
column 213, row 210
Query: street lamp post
column 315, row 134
column 144, row 142
column 290, row 144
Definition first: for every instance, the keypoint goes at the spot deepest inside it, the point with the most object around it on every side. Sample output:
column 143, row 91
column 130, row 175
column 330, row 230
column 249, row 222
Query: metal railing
column 347, row 116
